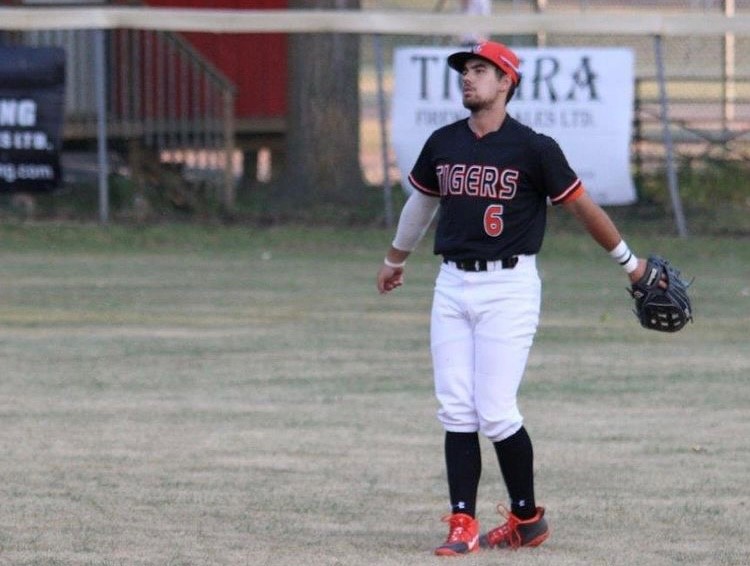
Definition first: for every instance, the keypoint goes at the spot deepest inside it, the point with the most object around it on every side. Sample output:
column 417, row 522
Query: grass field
column 188, row 396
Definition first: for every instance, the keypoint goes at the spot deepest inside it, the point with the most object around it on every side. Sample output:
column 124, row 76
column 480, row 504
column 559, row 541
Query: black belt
column 481, row 264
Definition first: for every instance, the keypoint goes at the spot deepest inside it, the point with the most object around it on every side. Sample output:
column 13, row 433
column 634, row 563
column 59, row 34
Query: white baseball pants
column 481, row 331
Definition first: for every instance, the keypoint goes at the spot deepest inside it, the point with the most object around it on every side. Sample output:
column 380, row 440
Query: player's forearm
column 415, row 218
column 396, row 257
column 596, row 222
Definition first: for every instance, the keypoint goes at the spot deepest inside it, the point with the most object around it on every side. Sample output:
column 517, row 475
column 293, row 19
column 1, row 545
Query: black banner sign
column 32, row 88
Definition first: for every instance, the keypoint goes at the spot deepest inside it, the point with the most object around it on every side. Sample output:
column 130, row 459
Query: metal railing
column 703, row 122
column 160, row 91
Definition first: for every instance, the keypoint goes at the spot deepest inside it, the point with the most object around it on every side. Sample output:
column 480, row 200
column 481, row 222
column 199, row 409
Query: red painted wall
column 255, row 63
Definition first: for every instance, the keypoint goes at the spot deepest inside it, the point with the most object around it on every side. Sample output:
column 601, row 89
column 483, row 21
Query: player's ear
column 506, row 81
column 504, row 78
column 511, row 91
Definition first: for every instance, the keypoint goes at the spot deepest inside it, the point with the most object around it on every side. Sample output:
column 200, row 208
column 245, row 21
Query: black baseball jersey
column 493, row 190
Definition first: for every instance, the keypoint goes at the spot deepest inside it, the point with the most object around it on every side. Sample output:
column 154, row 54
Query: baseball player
column 491, row 179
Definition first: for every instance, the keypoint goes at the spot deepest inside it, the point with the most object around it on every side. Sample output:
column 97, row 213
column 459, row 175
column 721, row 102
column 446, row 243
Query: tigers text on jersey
column 493, row 190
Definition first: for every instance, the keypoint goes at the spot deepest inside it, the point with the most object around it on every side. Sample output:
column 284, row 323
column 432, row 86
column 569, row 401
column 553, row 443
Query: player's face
column 482, row 85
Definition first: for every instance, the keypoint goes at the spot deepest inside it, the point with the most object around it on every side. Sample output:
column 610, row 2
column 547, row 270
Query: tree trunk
column 323, row 117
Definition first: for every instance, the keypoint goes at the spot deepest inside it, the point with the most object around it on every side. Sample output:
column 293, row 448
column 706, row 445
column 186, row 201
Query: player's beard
column 476, row 104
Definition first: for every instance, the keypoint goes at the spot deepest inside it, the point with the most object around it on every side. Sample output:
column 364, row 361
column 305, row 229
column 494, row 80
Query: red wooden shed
column 255, row 63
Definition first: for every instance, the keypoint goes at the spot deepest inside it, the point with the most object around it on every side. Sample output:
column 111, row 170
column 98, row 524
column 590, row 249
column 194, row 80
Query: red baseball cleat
column 515, row 532
column 463, row 536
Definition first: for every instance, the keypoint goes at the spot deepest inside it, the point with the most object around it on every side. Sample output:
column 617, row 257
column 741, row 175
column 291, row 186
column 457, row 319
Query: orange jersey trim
column 573, row 192
column 422, row 188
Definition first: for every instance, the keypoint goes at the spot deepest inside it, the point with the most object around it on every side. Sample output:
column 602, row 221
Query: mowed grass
column 185, row 395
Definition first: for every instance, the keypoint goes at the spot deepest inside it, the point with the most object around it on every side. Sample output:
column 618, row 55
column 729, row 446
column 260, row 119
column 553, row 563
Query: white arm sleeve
column 416, row 217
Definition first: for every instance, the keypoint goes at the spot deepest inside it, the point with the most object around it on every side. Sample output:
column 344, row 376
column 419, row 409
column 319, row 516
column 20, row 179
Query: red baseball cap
column 496, row 53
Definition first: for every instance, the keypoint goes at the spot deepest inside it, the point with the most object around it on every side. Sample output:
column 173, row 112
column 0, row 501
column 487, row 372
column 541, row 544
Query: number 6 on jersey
column 493, row 220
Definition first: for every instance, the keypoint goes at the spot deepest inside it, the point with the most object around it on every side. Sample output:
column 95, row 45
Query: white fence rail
column 373, row 21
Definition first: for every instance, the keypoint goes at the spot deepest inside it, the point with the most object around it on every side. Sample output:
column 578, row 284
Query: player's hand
column 640, row 271
column 389, row 278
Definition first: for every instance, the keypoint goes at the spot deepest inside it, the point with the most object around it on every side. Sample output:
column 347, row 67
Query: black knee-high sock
column 516, row 457
column 463, row 461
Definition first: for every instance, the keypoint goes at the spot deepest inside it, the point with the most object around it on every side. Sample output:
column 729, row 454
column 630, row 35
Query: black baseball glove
column 666, row 309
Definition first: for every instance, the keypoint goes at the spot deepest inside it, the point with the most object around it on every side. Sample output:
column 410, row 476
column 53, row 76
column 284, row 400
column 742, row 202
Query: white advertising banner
column 581, row 97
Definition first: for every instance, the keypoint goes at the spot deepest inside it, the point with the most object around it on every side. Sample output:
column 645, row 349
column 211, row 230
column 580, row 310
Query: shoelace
column 456, row 531
column 508, row 531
